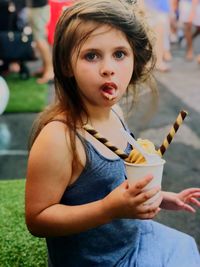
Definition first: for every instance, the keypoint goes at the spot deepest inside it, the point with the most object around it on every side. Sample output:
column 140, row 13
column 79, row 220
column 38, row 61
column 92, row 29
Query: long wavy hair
column 71, row 32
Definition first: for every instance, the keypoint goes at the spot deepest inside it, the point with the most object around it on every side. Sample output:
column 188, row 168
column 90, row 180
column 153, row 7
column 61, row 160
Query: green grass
column 18, row 248
column 25, row 95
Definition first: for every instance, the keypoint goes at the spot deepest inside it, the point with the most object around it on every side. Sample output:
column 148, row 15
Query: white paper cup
column 135, row 172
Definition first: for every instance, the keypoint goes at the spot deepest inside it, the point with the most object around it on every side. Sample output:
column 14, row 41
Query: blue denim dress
column 123, row 242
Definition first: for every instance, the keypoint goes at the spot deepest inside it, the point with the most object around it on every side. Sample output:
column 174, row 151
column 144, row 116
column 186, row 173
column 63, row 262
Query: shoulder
column 54, row 133
column 51, row 146
column 52, row 156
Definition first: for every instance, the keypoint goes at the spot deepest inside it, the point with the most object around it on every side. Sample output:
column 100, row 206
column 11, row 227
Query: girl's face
column 103, row 66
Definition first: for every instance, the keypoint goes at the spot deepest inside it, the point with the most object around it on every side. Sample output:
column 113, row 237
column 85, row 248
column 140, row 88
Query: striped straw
column 104, row 141
column 172, row 132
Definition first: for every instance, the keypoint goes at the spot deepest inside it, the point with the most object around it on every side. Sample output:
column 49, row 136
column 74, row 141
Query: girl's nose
column 107, row 69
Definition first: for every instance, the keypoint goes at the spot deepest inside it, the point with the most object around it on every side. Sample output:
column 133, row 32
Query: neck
column 98, row 114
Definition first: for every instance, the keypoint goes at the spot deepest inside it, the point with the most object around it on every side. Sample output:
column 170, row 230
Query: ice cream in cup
column 136, row 165
column 137, row 168
column 135, row 172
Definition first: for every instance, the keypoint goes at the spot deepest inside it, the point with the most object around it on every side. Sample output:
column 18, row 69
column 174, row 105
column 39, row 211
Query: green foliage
column 25, row 95
column 18, row 248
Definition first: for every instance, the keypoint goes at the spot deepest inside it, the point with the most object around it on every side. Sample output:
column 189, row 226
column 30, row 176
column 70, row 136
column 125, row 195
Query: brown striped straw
column 104, row 141
column 172, row 132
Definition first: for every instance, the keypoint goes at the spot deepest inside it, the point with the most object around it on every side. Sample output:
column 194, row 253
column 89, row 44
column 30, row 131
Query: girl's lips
column 109, row 85
column 109, row 90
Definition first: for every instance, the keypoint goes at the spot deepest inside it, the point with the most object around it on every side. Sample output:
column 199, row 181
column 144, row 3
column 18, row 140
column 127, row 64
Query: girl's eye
column 90, row 56
column 119, row 54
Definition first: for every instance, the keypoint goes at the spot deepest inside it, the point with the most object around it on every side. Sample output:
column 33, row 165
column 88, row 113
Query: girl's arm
column 182, row 200
column 49, row 174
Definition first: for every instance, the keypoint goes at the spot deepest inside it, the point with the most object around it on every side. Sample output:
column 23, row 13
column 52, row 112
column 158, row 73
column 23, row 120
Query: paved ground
column 179, row 89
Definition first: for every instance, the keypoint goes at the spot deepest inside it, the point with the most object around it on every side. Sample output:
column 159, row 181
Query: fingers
column 150, row 207
column 195, row 194
column 137, row 198
column 195, row 201
column 149, row 211
column 145, row 196
column 138, row 186
column 184, row 206
column 149, row 215
column 194, row 190
column 192, row 197
column 190, row 191
column 189, row 208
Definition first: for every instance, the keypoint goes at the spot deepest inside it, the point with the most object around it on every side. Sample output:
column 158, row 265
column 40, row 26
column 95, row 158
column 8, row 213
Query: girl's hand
column 127, row 201
column 182, row 200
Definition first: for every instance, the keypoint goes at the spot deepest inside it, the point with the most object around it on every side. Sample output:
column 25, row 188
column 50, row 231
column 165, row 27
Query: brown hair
column 70, row 34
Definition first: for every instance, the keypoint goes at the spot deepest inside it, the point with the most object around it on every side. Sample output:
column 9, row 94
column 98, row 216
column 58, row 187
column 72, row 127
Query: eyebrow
column 92, row 49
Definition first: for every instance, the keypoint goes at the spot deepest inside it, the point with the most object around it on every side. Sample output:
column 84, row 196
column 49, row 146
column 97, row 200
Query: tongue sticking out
column 109, row 92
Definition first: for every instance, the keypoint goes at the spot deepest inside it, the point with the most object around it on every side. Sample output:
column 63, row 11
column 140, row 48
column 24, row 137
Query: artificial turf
column 26, row 95
column 17, row 246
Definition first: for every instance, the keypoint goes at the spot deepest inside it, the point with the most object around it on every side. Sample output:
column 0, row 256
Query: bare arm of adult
column 48, row 175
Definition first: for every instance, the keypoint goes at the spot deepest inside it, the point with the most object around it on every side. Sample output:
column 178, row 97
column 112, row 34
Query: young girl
column 77, row 196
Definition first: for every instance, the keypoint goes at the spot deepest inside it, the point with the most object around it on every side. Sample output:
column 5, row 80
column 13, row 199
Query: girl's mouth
column 109, row 90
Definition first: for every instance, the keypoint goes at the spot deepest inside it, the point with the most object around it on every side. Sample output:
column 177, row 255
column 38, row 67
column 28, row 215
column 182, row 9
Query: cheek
column 130, row 70
column 84, row 70
column 126, row 72
column 83, row 76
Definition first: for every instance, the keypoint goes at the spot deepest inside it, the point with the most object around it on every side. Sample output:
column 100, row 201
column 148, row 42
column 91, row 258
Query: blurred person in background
column 189, row 16
column 11, row 20
column 173, row 21
column 159, row 12
column 38, row 14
